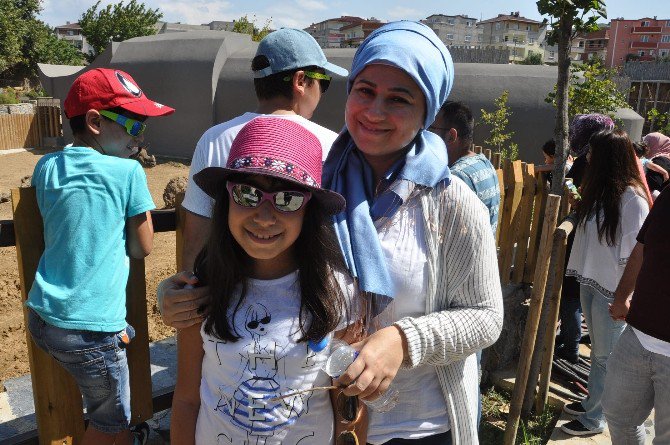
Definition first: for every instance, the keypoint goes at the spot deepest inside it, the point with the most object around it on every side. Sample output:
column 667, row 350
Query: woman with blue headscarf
column 418, row 242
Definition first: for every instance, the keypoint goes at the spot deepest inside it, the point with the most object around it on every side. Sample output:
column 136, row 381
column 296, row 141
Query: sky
column 302, row 13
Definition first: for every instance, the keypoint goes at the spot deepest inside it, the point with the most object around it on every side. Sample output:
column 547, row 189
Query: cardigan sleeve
column 467, row 285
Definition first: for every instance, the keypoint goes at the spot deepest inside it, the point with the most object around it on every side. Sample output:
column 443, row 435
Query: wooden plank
column 513, row 180
column 487, row 153
column 534, row 238
column 501, row 185
column 478, row 149
column 532, row 322
column 496, row 160
column 58, row 404
column 180, row 214
column 138, row 351
column 525, row 220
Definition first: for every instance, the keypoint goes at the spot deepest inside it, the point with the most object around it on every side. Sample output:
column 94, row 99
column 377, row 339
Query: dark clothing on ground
column 650, row 306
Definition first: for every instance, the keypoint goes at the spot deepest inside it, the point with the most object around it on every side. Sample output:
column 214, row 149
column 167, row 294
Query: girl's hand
column 377, row 364
column 181, row 307
column 619, row 310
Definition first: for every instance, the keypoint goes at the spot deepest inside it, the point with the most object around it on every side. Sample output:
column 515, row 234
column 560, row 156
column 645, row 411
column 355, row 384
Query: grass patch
column 495, row 407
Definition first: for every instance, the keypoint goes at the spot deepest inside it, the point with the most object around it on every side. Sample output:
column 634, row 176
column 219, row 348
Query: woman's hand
column 377, row 364
column 181, row 307
column 619, row 310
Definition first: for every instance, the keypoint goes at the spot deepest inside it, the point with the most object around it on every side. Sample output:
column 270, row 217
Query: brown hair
column 612, row 167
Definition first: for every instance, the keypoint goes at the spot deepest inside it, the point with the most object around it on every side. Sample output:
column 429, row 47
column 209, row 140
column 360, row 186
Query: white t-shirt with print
column 239, row 378
column 213, row 149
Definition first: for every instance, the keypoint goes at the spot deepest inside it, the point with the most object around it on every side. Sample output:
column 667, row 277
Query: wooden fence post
column 535, row 233
column 180, row 213
column 501, row 185
column 525, row 213
column 58, row 404
column 513, row 183
column 477, row 149
column 560, row 247
column 532, row 322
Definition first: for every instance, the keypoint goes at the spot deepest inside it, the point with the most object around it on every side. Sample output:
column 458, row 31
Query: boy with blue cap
column 291, row 73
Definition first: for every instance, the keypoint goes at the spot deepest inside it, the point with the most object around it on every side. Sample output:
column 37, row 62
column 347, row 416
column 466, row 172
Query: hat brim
column 334, row 69
column 147, row 107
column 212, row 179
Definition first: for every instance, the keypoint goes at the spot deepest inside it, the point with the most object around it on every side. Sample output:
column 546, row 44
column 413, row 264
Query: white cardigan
column 464, row 307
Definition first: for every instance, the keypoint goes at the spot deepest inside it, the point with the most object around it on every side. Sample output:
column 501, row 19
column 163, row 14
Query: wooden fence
column 27, row 130
column 57, row 398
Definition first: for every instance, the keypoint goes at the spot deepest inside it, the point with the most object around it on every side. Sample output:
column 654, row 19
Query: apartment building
column 643, row 39
column 586, row 46
column 355, row 33
column 455, row 30
column 217, row 25
column 328, row 33
column 72, row 33
column 518, row 34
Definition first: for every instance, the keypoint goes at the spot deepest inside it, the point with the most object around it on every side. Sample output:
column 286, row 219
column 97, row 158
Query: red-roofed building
column 355, row 33
column 328, row 32
column 643, row 39
column 587, row 46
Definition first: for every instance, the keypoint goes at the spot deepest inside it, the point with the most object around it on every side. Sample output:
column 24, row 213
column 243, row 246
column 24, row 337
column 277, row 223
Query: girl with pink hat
column 276, row 296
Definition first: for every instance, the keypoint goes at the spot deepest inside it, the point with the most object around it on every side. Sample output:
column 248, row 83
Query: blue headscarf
column 415, row 49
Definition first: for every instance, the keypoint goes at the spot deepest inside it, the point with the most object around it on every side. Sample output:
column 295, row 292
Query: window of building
column 645, row 23
column 468, row 24
column 552, row 54
column 527, row 27
column 663, row 53
column 641, row 53
column 581, row 44
column 468, row 38
column 667, row 23
column 450, row 21
column 506, row 38
column 665, row 39
column 644, row 38
column 450, row 37
column 531, row 40
column 497, row 26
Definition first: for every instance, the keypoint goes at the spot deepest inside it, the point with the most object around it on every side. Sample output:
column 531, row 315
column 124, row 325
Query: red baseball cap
column 105, row 88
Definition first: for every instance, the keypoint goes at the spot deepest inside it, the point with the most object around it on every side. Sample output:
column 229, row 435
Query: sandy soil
column 161, row 263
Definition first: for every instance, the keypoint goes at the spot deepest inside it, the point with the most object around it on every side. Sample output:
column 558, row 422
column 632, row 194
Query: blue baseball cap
column 289, row 49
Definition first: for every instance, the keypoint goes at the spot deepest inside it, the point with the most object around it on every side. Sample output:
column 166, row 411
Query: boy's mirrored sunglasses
column 324, row 79
column 249, row 196
column 133, row 127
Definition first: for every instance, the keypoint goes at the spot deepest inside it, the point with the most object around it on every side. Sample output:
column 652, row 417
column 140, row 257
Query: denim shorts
column 97, row 362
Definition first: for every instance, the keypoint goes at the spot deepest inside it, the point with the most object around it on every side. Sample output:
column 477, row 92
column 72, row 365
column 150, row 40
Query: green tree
column 498, row 120
column 26, row 41
column 246, row 26
column 659, row 121
column 532, row 59
column 116, row 23
column 591, row 90
column 567, row 18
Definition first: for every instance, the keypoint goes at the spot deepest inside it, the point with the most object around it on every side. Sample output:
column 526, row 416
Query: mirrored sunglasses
column 249, row 196
column 133, row 127
column 324, row 79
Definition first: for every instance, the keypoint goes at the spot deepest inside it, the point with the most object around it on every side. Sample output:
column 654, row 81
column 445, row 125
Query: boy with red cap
column 95, row 207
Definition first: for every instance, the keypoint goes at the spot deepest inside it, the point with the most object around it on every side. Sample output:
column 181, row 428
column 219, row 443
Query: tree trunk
column 562, row 84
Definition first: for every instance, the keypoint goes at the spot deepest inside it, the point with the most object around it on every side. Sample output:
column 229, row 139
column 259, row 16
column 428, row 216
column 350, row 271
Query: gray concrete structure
column 206, row 76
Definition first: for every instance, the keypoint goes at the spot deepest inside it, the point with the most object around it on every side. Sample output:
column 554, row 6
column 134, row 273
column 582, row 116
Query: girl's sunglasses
column 133, row 127
column 249, row 196
column 324, row 79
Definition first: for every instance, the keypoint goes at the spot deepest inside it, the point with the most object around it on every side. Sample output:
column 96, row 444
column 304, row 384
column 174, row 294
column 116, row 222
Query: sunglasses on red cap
column 133, row 127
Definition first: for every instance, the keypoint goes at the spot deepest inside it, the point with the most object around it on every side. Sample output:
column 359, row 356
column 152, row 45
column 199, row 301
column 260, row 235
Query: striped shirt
column 478, row 173
column 464, row 306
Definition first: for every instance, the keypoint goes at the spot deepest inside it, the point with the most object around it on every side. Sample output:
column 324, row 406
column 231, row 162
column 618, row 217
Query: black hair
column 457, row 115
column 640, row 149
column 549, row 147
column 78, row 123
column 612, row 167
column 274, row 85
column 223, row 265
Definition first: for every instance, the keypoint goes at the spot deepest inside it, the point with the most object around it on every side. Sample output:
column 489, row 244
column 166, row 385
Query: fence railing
column 28, row 130
column 57, row 399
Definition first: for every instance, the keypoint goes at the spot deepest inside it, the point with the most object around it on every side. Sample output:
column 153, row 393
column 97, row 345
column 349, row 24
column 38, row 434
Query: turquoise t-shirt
column 85, row 198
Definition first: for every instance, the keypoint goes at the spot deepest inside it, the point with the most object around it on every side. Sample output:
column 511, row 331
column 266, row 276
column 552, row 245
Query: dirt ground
column 160, row 264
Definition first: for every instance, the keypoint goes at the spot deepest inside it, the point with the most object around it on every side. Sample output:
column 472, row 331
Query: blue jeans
column 97, row 362
column 571, row 328
column 637, row 381
column 604, row 334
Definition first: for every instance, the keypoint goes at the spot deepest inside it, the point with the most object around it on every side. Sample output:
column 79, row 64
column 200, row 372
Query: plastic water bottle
column 341, row 356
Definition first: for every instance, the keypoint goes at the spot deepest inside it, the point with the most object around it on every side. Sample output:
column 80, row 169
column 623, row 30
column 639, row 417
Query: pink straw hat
column 276, row 147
